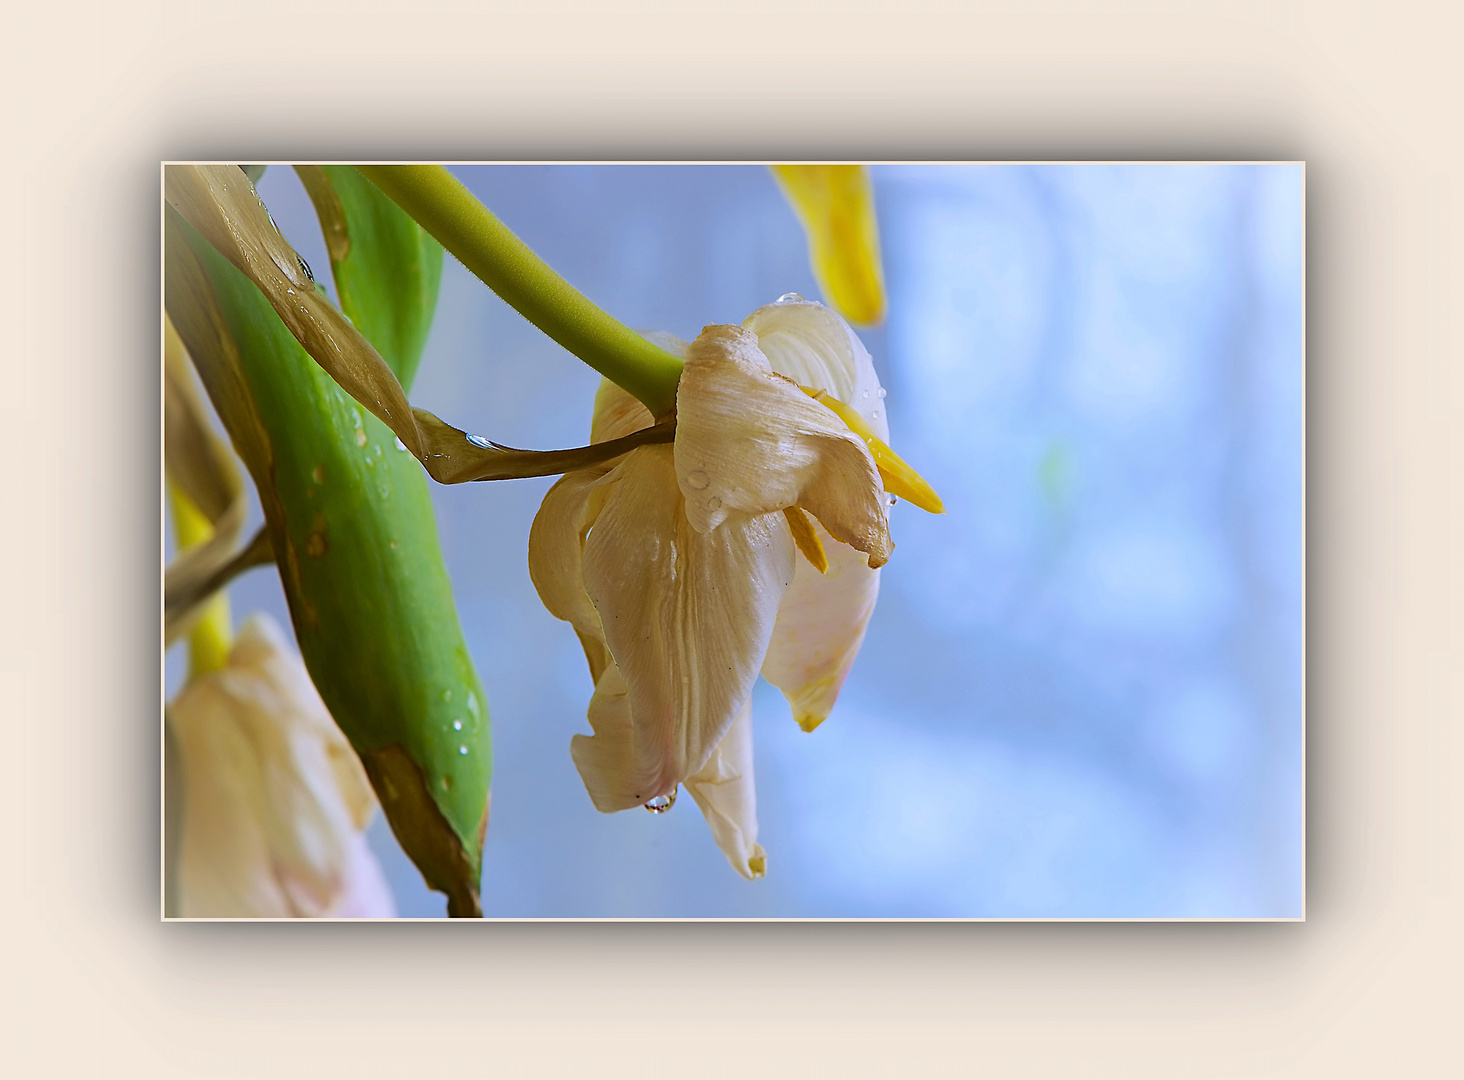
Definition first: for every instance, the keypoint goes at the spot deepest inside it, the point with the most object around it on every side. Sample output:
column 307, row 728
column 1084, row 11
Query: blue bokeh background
column 1081, row 692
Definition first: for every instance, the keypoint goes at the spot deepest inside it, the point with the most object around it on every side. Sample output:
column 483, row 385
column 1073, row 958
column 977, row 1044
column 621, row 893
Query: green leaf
column 351, row 524
column 219, row 202
column 386, row 267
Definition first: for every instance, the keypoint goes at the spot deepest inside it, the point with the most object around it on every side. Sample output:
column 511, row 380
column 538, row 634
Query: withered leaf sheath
column 219, row 202
column 351, row 525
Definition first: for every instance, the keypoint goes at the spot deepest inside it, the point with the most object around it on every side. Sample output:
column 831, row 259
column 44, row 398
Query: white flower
column 275, row 801
column 678, row 565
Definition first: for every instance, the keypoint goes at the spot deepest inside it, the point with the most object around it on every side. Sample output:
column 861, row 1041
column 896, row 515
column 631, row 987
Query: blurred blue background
column 1081, row 692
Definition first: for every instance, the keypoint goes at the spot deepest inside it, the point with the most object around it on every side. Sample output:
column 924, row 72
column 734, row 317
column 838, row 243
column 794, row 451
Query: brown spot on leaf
column 316, row 545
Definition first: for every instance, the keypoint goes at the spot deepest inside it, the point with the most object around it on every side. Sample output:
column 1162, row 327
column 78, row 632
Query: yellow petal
column 835, row 203
column 807, row 539
column 899, row 478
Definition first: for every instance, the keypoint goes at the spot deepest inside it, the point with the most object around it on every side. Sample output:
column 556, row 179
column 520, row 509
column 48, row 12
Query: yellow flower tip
column 904, row 482
column 835, row 204
column 757, row 866
column 807, row 721
column 900, row 480
column 213, row 633
column 807, row 539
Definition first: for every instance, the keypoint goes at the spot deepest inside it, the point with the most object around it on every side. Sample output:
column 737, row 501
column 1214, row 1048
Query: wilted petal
column 367, row 894
column 606, row 760
column 274, row 798
column 617, row 411
column 556, row 557
column 820, row 627
column 724, row 790
column 686, row 615
column 811, row 345
column 750, row 440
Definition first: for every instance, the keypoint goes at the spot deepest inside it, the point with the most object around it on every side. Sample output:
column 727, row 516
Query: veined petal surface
column 824, row 616
column 820, row 627
column 686, row 615
column 275, row 800
column 814, row 347
column 725, row 791
column 749, row 439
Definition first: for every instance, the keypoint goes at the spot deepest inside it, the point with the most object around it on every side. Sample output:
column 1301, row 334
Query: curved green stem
column 449, row 211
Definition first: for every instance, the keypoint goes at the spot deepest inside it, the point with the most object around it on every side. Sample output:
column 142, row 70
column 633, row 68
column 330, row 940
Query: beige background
column 1368, row 94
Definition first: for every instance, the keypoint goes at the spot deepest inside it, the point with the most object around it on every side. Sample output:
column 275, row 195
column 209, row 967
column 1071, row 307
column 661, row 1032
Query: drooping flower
column 275, row 801
column 679, row 566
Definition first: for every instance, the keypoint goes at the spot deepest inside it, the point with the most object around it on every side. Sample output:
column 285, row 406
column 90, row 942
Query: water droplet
column 360, row 436
column 457, row 725
column 473, row 704
column 479, row 441
column 697, row 480
column 882, row 391
column 893, row 500
column 462, row 749
column 318, row 474
column 447, row 695
column 399, row 444
column 866, row 393
column 790, row 298
column 661, row 803
column 714, row 503
column 305, row 266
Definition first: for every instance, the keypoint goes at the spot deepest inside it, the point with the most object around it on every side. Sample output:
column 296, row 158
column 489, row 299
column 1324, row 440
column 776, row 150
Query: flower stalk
column 464, row 226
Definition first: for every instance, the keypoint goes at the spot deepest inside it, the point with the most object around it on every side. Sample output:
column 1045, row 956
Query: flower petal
column 269, row 826
column 556, row 555
column 687, row 617
column 618, row 412
column 820, row 627
column 748, row 439
column 367, row 894
column 606, row 759
column 724, row 790
column 835, row 203
column 811, row 345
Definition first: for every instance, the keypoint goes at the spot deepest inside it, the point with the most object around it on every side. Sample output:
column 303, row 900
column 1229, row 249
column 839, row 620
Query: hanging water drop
column 479, row 441
column 661, row 803
column 462, row 750
column 457, row 725
column 399, row 444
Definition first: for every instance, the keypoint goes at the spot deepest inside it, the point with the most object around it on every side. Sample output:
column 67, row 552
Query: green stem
column 482, row 243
